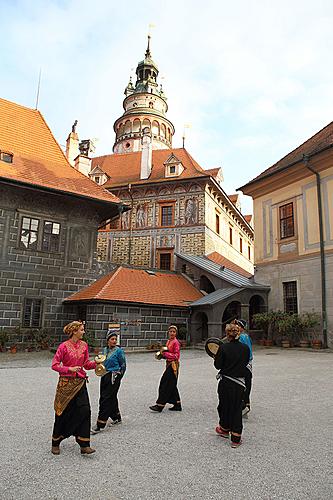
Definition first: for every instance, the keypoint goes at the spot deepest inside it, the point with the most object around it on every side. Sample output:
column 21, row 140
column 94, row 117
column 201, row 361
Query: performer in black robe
column 231, row 359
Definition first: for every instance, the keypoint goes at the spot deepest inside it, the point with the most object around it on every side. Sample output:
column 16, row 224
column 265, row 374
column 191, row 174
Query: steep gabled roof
column 318, row 142
column 140, row 286
column 37, row 157
column 125, row 168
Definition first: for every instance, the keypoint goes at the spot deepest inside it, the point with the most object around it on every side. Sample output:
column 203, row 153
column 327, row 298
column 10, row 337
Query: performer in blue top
column 115, row 365
column 245, row 339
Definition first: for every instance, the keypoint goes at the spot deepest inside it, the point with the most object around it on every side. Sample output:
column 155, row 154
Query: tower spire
column 148, row 53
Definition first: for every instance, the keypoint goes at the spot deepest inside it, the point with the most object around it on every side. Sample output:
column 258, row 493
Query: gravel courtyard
column 287, row 451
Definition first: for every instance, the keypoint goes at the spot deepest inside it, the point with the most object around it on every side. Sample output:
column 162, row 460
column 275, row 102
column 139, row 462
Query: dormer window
column 97, row 179
column 173, row 166
column 7, row 157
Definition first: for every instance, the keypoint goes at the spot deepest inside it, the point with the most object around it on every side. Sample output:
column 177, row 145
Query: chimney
column 72, row 145
column 83, row 160
column 146, row 153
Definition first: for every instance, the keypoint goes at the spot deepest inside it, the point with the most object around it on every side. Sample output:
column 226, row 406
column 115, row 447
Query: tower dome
column 145, row 105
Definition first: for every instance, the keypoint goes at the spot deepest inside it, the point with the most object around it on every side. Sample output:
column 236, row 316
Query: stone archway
column 200, row 327
column 256, row 305
column 232, row 311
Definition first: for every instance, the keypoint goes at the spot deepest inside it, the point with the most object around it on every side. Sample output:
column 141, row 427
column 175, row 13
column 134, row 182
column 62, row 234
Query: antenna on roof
column 38, row 87
column 186, row 125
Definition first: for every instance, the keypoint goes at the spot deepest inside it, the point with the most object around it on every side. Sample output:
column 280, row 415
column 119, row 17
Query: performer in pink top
column 71, row 404
column 168, row 391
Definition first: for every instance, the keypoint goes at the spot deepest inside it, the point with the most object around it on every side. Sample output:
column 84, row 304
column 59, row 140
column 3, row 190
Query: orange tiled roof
column 316, row 143
column 223, row 261
column 212, row 171
column 248, row 218
column 125, row 168
column 37, row 157
column 233, row 197
column 137, row 285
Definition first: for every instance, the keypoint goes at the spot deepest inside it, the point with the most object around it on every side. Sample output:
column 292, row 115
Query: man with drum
column 231, row 360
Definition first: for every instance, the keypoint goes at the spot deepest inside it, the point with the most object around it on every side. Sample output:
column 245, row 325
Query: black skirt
column 168, row 391
column 230, row 405
column 108, row 400
column 74, row 421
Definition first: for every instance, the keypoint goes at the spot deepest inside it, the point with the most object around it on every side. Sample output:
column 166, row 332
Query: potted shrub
column 309, row 321
column 285, row 325
column 182, row 334
column 262, row 321
column 13, row 348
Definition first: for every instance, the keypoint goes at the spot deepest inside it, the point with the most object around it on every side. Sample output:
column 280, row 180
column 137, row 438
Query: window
column 217, row 223
column 39, row 234
column 230, row 235
column 29, row 233
column 241, row 245
column 286, row 220
column 51, row 236
column 7, row 157
column 290, row 296
column 167, row 215
column 32, row 313
column 97, row 178
column 172, row 169
column 165, row 261
column 249, row 252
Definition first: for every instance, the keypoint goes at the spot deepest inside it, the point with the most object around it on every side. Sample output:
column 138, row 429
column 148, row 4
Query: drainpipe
column 306, row 160
column 130, row 225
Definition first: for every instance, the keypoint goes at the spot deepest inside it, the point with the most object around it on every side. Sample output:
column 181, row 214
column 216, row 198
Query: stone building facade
column 49, row 216
column 294, row 250
column 140, row 326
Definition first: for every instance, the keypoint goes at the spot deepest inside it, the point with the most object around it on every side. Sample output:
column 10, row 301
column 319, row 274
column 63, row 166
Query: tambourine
column 159, row 354
column 212, row 346
column 100, row 369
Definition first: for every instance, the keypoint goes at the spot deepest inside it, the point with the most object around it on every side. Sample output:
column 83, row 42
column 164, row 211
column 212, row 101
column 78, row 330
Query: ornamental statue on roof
column 145, row 105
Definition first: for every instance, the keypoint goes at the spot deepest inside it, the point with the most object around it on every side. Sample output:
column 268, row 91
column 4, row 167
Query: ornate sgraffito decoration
column 141, row 215
column 80, row 242
column 125, row 220
column 191, row 211
column 166, row 241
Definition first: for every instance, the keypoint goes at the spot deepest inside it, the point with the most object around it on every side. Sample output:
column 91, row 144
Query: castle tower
column 145, row 106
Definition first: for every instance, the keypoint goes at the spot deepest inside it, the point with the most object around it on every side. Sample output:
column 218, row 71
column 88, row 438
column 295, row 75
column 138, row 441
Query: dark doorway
column 200, row 324
column 206, row 285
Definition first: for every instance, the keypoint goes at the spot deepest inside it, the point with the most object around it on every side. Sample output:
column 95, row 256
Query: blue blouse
column 245, row 339
column 115, row 360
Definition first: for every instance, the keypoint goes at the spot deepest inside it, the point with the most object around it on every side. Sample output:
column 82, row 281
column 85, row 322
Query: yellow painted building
column 293, row 203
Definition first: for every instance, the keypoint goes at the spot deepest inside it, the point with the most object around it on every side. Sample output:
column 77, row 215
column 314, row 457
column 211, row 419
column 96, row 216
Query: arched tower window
column 128, row 127
column 136, row 125
column 155, row 128
column 146, row 123
column 163, row 130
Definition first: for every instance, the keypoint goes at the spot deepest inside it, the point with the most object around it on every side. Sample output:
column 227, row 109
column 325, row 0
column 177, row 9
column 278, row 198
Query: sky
column 254, row 79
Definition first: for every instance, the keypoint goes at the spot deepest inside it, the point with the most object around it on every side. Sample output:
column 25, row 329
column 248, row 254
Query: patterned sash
column 174, row 366
column 67, row 389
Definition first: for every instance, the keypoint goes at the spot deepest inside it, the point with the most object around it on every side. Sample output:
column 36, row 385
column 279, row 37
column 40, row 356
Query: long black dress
column 231, row 359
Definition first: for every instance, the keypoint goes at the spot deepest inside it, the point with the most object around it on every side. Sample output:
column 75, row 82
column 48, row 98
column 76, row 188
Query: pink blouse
column 72, row 354
column 173, row 353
